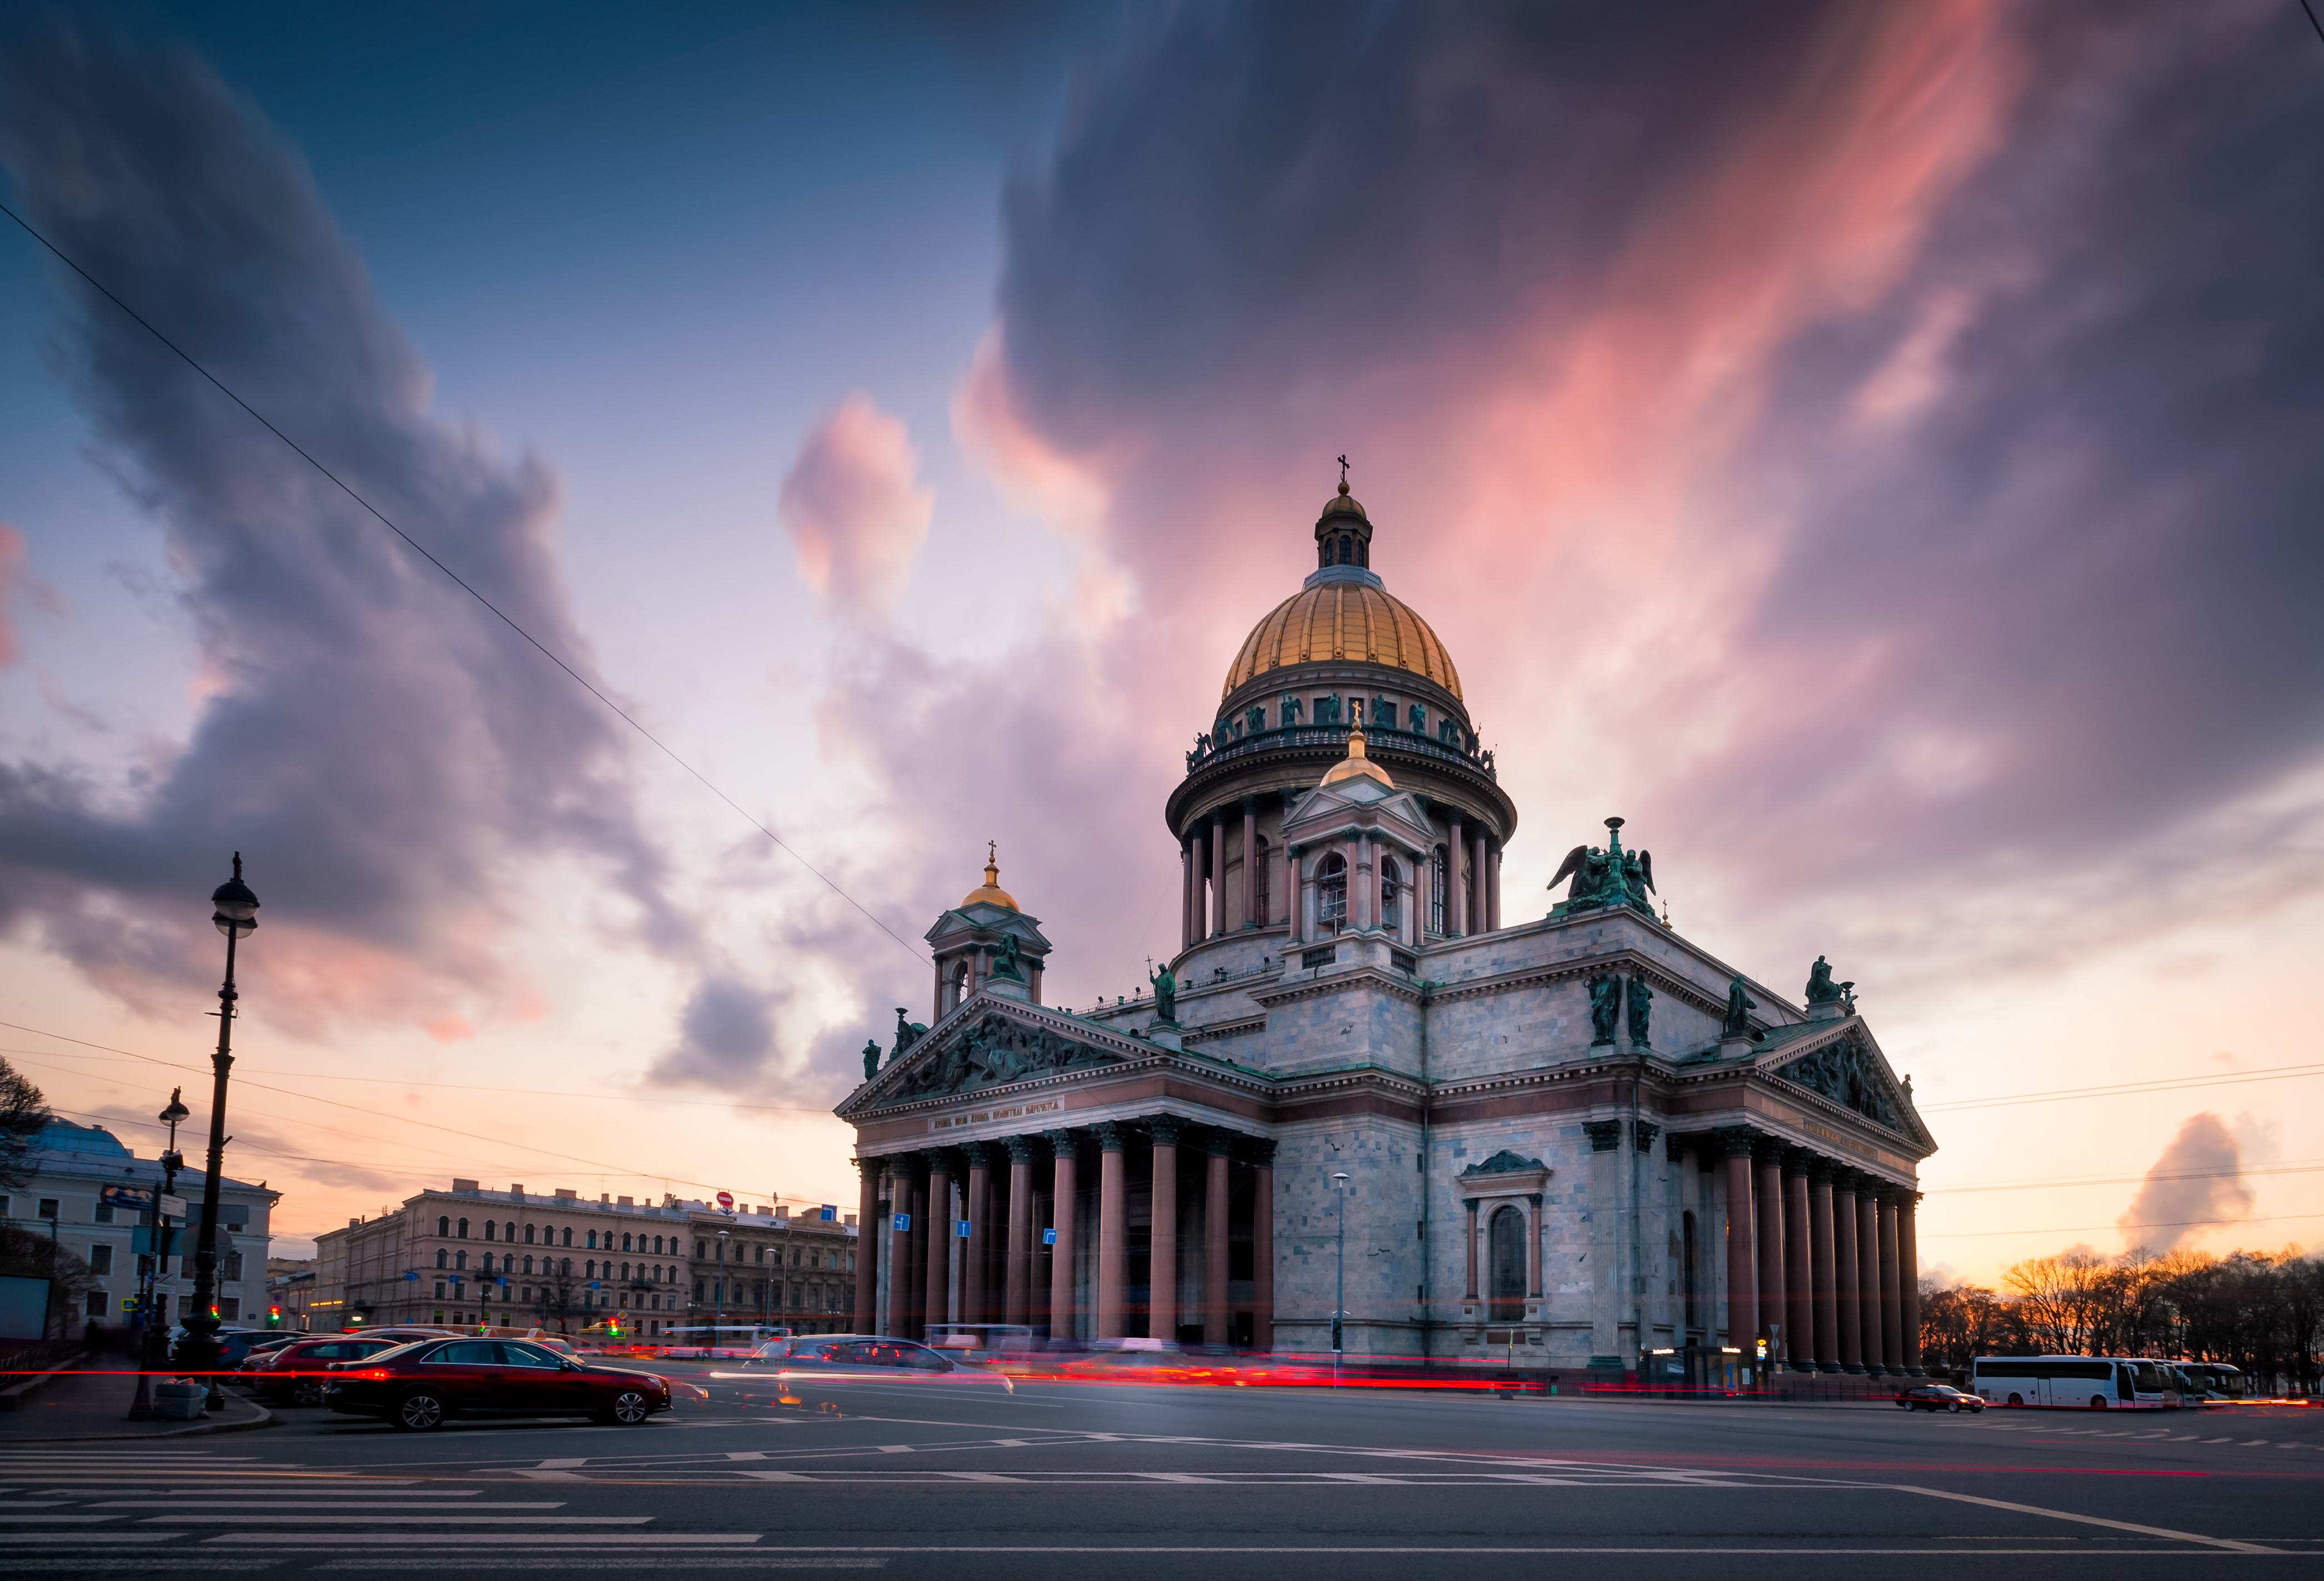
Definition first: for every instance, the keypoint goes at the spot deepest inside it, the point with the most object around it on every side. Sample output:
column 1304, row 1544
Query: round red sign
column 726, row 1199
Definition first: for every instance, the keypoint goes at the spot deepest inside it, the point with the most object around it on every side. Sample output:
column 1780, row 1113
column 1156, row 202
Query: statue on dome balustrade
column 1006, row 960
column 1382, row 713
column 1416, row 719
column 1166, row 994
column 1288, row 710
column 1327, row 710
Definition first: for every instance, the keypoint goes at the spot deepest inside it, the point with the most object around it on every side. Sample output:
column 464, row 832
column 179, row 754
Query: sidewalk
column 95, row 1405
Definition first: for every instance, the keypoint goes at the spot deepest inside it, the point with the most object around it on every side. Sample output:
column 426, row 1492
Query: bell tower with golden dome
column 1340, row 653
column 986, row 944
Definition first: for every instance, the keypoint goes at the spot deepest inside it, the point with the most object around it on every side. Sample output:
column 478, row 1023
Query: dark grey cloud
column 2039, row 626
column 726, row 1035
column 382, row 750
column 2198, row 1180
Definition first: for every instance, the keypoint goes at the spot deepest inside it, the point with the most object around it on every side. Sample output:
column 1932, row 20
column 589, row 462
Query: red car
column 300, row 1371
column 419, row 1386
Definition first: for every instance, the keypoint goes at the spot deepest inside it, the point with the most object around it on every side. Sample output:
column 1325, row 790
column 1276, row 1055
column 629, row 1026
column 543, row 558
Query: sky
column 1872, row 449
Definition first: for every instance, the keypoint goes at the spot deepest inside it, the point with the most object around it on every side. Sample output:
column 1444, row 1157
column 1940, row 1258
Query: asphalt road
column 1099, row 1480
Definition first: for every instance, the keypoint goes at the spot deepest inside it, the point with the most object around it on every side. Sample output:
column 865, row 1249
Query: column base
column 1870, row 1372
column 1852, row 1370
column 1828, row 1368
column 1915, row 1372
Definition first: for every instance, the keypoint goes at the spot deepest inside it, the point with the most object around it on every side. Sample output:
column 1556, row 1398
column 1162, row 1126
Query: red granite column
column 1113, row 1231
column 867, row 1247
column 1219, row 871
column 1456, row 908
column 1493, row 893
column 909, row 1280
column 1063, row 1314
column 1262, row 1248
column 1799, row 1270
column 1162, row 1243
column 937, row 1308
column 1479, row 881
column 1908, row 1274
column 1469, row 1290
column 1217, row 1309
column 976, row 1250
column 1250, row 917
column 1846, row 1279
column 1774, row 1314
column 1017, row 1302
column 1868, row 1273
column 901, row 1285
column 1823, row 1269
column 1742, row 1283
column 1892, row 1296
column 1187, row 892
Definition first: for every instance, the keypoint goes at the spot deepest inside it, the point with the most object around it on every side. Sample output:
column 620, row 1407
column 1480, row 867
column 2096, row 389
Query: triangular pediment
column 990, row 1042
column 1842, row 1063
column 1325, row 806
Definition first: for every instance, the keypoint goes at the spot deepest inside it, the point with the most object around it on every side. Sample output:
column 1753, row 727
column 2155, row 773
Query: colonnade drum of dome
column 1486, row 1136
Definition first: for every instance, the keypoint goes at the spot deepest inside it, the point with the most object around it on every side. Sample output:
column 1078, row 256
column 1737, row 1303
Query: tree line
column 2260, row 1312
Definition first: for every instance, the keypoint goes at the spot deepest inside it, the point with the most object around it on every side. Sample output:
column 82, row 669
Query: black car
column 1939, row 1397
column 419, row 1386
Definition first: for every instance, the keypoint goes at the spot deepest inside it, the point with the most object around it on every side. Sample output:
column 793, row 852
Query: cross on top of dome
column 1344, row 533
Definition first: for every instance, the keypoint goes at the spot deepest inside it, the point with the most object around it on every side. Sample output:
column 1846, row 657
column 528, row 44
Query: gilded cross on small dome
column 1343, row 474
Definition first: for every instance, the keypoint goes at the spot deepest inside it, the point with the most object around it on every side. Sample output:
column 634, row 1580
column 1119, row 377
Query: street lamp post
column 722, row 1287
column 157, row 1261
column 235, row 912
column 1340, row 1292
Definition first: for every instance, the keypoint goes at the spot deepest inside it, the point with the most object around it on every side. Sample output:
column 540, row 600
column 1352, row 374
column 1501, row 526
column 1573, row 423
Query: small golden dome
column 1344, row 503
column 1355, row 764
column 1343, row 620
column 990, row 891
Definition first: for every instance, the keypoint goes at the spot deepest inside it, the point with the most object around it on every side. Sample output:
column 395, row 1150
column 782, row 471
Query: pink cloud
column 856, row 514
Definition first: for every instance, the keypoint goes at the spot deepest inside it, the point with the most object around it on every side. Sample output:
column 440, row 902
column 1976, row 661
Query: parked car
column 812, row 1364
column 298, row 1373
column 418, row 1387
column 404, row 1334
column 233, row 1343
column 1939, row 1397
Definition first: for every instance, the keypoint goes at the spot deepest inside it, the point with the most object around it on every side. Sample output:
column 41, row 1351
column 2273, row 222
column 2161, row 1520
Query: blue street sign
column 903, row 1223
column 959, row 1228
column 1048, row 1237
column 828, row 1213
column 413, row 1274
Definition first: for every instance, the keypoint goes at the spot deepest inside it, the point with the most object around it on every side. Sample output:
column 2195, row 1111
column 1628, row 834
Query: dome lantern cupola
column 1344, row 533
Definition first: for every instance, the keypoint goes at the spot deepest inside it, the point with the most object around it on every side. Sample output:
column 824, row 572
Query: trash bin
column 178, row 1402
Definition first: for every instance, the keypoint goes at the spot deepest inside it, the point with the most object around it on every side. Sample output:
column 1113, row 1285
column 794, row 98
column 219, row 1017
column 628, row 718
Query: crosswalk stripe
column 182, row 1518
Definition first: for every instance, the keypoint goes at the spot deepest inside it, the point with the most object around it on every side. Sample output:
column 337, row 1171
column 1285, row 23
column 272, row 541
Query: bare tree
column 2059, row 1299
column 23, row 1112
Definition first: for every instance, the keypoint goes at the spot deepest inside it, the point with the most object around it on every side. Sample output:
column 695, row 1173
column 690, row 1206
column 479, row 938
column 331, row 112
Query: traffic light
column 273, row 1317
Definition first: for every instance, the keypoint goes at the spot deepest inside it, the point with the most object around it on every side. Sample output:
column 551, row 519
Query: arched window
column 488, row 1229
column 1508, row 1264
column 589, row 1269
column 569, row 1238
column 459, row 1259
column 626, row 1243
column 1331, row 894
column 657, row 1246
column 593, row 1238
column 443, row 1258
column 1363, row 552
column 464, row 1229
column 1391, row 883
column 567, row 1265
column 1436, row 893
column 1347, row 550
column 528, row 1234
column 508, row 1232
column 527, row 1265
column 443, row 1226
column 1266, row 889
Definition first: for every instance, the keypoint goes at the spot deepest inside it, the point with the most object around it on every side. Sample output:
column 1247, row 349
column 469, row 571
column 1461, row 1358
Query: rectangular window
column 105, row 1213
column 232, row 1267
column 96, row 1304
column 229, row 1308
column 48, row 1208
column 100, row 1260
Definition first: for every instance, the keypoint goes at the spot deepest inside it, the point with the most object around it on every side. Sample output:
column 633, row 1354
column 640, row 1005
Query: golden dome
column 1355, row 764
column 1339, row 619
column 990, row 891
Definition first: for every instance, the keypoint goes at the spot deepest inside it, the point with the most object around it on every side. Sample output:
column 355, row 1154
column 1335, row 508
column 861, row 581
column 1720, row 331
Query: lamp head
column 176, row 1113
column 236, row 907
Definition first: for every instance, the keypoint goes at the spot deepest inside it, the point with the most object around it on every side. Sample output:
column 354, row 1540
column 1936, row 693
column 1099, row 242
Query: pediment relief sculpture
column 991, row 1052
column 1506, row 1162
column 1847, row 1074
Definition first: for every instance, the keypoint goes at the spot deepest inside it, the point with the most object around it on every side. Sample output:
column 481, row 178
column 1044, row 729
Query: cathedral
column 1360, row 1109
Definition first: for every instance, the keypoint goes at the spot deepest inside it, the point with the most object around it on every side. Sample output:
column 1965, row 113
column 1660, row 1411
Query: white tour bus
column 2087, row 1382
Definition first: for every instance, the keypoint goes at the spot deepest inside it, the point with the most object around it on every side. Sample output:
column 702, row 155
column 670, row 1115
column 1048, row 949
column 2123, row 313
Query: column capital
column 1110, row 1135
column 979, row 1154
column 1767, row 1151
column 1605, row 1135
column 939, row 1160
column 905, row 1166
column 1259, row 1151
column 1021, row 1149
column 1471, row 1203
column 1676, row 1143
column 1164, row 1129
column 1064, row 1143
column 1647, row 1130
column 1251, row 804
column 1821, row 1169
column 1795, row 1162
column 1844, row 1179
column 1219, row 1141
column 1735, row 1141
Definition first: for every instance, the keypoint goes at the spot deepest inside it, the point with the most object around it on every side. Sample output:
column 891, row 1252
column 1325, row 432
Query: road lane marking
column 353, row 1509
column 186, row 1519
column 276, row 1540
column 534, row 1473
column 556, row 1464
column 2217, row 1543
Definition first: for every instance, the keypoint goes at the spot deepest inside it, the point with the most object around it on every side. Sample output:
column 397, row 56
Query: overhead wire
column 419, row 549
column 2163, row 1085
